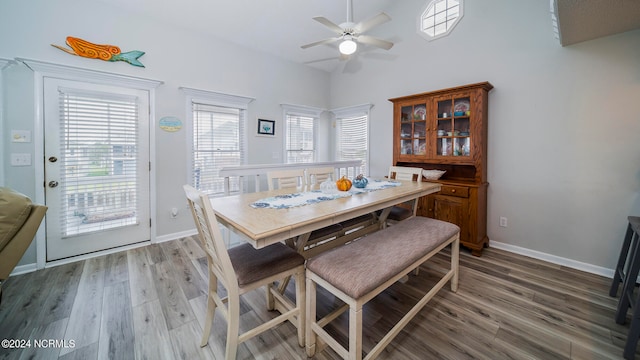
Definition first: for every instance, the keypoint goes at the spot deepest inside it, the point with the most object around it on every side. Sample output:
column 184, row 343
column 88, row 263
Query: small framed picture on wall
column 266, row 127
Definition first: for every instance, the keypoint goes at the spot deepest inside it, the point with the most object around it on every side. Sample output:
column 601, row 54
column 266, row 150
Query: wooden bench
column 362, row 269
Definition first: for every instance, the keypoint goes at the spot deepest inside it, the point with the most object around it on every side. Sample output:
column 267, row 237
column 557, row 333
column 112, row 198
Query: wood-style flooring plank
column 116, row 268
column 174, row 304
column 84, row 353
column 116, row 332
column 63, row 292
column 191, row 245
column 152, row 340
column 84, row 322
column 191, row 281
column 29, row 302
column 142, row 286
column 55, row 331
column 185, row 341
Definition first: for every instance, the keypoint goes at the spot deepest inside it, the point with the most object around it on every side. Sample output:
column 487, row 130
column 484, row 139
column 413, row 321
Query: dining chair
column 285, row 179
column 320, row 174
column 399, row 213
column 242, row 269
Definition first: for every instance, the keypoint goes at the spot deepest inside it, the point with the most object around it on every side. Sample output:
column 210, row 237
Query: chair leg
column 310, row 336
column 233, row 327
column 629, row 283
column 620, row 267
column 270, row 298
column 355, row 333
column 211, row 310
column 301, row 305
column 634, row 333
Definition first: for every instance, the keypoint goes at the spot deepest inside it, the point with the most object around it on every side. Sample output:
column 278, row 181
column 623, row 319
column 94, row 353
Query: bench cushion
column 362, row 265
column 253, row 264
column 14, row 211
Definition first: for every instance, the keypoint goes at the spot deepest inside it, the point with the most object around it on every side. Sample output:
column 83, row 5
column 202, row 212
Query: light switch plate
column 20, row 159
column 20, row 136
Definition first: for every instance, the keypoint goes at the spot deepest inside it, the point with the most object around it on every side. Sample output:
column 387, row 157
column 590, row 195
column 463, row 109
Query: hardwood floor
column 149, row 303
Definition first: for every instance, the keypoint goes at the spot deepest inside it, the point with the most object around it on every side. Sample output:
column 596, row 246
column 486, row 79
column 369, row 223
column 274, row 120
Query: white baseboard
column 174, row 236
column 598, row 270
column 23, row 269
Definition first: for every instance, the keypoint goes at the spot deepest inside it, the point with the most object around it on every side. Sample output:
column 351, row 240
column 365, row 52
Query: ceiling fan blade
column 328, row 23
column 325, row 41
column 370, row 40
column 365, row 25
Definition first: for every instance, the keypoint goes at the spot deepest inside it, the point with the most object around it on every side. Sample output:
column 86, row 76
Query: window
column 300, row 130
column 217, row 138
column 439, row 17
column 97, row 179
column 352, row 136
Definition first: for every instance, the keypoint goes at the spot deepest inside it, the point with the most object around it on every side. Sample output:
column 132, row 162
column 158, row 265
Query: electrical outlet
column 503, row 221
column 20, row 159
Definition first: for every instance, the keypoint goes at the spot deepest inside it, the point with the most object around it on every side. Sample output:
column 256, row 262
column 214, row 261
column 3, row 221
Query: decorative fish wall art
column 103, row 52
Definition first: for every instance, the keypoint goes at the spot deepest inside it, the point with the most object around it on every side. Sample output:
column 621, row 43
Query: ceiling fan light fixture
column 348, row 46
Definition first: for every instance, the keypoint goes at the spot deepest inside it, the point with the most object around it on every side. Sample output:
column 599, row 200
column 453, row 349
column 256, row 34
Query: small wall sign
column 266, row 127
column 170, row 123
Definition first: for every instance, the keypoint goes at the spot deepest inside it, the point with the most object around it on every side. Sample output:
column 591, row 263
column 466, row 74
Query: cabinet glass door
column 454, row 124
column 413, row 130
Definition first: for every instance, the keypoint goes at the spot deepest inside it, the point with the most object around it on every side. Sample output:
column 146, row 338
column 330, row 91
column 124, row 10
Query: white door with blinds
column 96, row 167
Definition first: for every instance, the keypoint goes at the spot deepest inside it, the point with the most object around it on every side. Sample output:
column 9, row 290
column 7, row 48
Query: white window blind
column 353, row 141
column 300, row 144
column 218, row 142
column 99, row 151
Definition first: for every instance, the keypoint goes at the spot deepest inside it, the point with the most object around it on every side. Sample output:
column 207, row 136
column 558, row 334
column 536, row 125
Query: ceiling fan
column 350, row 34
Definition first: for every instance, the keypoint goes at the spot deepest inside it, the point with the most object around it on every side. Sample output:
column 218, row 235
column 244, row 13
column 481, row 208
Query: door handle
column 53, row 184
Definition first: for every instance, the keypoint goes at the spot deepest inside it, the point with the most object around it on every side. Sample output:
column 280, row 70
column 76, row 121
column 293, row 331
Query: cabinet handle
column 453, row 190
column 430, row 210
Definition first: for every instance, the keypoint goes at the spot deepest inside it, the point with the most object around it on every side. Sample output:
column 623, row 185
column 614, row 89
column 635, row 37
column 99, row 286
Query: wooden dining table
column 265, row 226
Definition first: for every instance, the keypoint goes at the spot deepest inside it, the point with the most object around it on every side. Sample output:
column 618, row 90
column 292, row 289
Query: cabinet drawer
column 452, row 190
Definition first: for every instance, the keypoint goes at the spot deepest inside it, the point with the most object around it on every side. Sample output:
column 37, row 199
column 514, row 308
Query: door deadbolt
column 53, row 184
column 53, row 159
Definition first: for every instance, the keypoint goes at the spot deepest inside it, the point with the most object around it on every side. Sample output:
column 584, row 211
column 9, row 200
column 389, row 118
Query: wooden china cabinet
column 447, row 130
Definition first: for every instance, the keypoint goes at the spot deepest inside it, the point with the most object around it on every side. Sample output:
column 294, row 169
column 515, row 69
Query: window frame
column 4, row 63
column 216, row 99
column 302, row 111
column 353, row 112
column 421, row 17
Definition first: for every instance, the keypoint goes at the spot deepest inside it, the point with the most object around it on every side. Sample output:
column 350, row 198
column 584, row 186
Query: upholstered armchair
column 19, row 222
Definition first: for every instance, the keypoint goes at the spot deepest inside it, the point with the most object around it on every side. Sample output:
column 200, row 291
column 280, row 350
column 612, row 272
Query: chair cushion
column 14, row 211
column 399, row 213
column 362, row 265
column 252, row 264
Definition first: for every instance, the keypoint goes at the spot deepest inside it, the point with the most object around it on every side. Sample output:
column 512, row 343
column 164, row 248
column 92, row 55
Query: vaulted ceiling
column 582, row 20
column 280, row 27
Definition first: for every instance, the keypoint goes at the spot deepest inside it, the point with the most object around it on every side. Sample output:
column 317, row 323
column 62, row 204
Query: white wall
column 564, row 159
column 176, row 57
